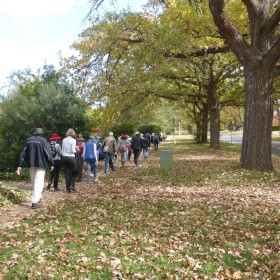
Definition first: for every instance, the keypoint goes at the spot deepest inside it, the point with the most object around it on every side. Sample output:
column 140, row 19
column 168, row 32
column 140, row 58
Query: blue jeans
column 91, row 166
column 109, row 161
column 145, row 152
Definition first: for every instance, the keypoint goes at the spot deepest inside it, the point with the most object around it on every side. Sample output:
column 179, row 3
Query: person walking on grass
column 37, row 155
column 109, row 147
column 137, row 146
column 146, row 145
column 156, row 141
column 123, row 148
column 80, row 143
column 91, row 158
column 56, row 153
column 69, row 160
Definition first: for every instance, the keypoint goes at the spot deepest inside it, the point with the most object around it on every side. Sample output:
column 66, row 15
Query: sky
column 33, row 32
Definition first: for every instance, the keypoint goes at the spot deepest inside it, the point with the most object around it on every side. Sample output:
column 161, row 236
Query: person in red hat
column 123, row 148
column 56, row 153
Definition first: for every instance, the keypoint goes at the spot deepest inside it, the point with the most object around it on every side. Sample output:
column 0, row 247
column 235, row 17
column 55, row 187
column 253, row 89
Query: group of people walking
column 38, row 154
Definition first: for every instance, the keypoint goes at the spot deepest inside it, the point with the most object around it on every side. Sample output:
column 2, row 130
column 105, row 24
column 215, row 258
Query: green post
column 166, row 159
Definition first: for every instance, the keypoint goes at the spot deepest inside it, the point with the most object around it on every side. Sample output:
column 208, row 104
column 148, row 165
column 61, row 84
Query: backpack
column 52, row 148
column 81, row 147
column 122, row 148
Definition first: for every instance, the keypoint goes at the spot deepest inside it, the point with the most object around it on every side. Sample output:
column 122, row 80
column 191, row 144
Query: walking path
column 118, row 185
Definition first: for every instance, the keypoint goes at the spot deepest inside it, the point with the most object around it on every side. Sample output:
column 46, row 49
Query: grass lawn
column 205, row 218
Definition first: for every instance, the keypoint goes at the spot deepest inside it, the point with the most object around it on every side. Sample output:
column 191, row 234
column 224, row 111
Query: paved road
column 237, row 139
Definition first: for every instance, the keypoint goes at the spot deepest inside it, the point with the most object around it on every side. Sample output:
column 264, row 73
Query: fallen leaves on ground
column 203, row 219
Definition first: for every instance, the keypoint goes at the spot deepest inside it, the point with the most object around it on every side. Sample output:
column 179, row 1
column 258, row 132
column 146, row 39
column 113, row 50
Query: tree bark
column 256, row 146
column 215, row 127
column 258, row 56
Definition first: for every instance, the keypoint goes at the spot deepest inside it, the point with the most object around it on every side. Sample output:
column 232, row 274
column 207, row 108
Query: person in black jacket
column 137, row 146
column 37, row 155
column 146, row 145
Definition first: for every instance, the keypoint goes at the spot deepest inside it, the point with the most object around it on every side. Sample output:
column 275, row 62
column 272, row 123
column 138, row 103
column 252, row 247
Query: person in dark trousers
column 109, row 147
column 137, row 146
column 69, row 160
column 146, row 145
column 81, row 145
column 37, row 155
column 54, row 175
column 156, row 141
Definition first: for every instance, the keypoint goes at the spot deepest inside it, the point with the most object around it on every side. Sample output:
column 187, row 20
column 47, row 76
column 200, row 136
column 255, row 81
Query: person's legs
column 79, row 176
column 112, row 158
column 156, row 145
column 88, row 169
column 94, row 167
column 38, row 175
column 145, row 153
column 107, row 157
column 32, row 178
column 73, row 180
column 67, row 172
column 136, row 157
column 56, row 174
column 51, row 178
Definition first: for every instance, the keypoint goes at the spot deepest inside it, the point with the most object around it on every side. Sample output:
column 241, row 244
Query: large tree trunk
column 258, row 55
column 256, row 146
column 215, row 127
column 214, row 110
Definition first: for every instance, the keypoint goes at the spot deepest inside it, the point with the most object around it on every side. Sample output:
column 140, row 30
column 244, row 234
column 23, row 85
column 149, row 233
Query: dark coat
column 137, row 143
column 36, row 153
column 146, row 143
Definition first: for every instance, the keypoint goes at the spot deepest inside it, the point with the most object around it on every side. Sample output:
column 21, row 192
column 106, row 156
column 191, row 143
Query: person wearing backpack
column 109, row 147
column 123, row 146
column 137, row 146
column 146, row 145
column 91, row 158
column 56, row 153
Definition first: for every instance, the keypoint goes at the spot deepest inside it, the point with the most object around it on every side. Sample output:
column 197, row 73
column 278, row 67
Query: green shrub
column 12, row 176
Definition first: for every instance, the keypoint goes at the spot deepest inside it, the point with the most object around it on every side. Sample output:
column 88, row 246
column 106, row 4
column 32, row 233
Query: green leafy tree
column 54, row 107
column 130, row 58
column 251, row 30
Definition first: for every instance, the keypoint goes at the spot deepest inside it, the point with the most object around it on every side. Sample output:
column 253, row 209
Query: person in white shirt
column 69, row 160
